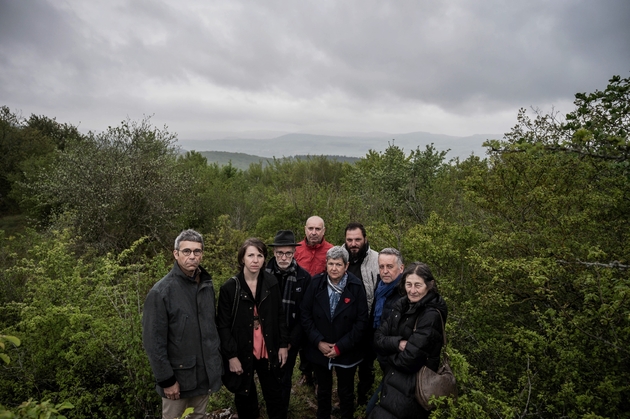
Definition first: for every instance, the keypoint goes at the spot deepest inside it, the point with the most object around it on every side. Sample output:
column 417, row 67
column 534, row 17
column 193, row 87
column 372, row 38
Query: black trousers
column 366, row 375
column 345, row 390
column 287, row 378
column 247, row 404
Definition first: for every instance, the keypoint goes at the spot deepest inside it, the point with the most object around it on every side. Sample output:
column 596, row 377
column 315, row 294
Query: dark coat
column 298, row 289
column 345, row 328
column 388, row 307
column 390, row 301
column 179, row 334
column 423, row 348
column 237, row 341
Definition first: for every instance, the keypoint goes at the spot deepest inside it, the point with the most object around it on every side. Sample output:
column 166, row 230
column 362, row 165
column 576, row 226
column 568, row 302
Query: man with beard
column 293, row 281
column 311, row 255
column 364, row 265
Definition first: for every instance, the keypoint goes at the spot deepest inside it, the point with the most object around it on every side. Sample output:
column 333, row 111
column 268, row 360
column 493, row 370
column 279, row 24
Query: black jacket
column 237, row 340
column 345, row 328
column 388, row 307
column 179, row 334
column 424, row 343
column 298, row 288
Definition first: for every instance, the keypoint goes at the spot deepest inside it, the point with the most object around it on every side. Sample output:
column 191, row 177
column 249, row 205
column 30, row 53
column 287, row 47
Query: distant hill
column 239, row 160
column 243, row 160
column 353, row 145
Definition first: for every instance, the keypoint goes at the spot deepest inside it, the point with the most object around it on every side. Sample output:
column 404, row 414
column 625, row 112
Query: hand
column 402, row 345
column 235, row 366
column 328, row 349
column 172, row 392
column 283, row 354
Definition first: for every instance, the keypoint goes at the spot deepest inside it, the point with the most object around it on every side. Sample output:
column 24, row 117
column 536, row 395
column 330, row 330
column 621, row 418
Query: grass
column 303, row 402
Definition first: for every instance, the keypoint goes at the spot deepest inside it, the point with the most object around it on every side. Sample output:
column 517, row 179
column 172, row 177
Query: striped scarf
column 286, row 278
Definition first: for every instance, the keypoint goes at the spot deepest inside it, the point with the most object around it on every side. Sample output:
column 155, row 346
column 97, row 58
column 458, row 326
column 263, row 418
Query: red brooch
column 346, row 300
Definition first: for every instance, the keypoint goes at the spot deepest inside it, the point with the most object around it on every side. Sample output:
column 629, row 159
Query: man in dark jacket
column 293, row 281
column 386, row 293
column 179, row 332
column 334, row 317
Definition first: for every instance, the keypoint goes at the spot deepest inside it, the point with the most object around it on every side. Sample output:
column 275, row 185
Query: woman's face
column 336, row 269
column 253, row 260
column 415, row 287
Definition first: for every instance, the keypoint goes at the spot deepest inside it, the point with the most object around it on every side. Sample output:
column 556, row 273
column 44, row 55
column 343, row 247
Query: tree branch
column 612, row 265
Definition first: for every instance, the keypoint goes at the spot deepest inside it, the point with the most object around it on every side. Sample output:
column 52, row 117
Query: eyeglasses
column 281, row 255
column 187, row 252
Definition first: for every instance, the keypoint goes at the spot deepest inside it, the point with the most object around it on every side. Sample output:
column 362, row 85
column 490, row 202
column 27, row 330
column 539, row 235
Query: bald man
column 311, row 253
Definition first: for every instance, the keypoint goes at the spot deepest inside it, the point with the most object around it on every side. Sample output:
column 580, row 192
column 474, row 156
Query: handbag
column 430, row 383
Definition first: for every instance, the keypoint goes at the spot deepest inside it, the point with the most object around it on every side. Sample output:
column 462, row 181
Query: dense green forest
column 530, row 246
column 243, row 161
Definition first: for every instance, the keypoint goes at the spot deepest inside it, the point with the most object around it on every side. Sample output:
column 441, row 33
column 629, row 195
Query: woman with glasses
column 253, row 332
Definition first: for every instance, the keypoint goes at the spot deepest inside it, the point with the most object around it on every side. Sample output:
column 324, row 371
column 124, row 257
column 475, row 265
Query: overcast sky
column 455, row 67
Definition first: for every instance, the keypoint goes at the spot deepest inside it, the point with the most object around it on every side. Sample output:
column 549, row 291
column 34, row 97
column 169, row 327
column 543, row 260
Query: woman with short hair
column 410, row 338
column 334, row 318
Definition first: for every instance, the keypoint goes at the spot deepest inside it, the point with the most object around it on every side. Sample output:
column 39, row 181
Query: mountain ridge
column 352, row 145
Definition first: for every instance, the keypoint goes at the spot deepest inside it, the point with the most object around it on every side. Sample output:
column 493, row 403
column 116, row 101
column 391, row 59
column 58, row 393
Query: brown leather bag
column 430, row 383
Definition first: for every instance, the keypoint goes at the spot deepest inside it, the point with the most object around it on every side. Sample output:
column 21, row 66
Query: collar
column 315, row 246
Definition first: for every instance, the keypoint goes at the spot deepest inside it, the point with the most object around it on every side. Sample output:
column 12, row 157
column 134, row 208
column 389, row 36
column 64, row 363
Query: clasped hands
column 328, row 349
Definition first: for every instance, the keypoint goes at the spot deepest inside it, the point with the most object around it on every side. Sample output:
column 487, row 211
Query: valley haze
column 276, row 144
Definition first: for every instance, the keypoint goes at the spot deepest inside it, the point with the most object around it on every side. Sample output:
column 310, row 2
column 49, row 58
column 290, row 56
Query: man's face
column 188, row 263
column 314, row 230
column 284, row 256
column 354, row 241
column 388, row 267
column 335, row 268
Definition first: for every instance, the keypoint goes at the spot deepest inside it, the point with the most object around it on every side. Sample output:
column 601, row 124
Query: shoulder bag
column 430, row 383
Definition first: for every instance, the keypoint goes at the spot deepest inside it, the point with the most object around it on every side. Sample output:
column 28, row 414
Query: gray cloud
column 284, row 65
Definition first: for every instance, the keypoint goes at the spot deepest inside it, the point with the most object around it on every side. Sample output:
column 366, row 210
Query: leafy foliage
column 530, row 247
column 115, row 186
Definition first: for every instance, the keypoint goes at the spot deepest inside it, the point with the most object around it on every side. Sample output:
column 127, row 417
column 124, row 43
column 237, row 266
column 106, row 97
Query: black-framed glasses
column 187, row 252
column 281, row 255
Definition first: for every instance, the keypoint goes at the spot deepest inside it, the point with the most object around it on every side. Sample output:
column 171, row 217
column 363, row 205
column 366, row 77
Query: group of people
column 339, row 307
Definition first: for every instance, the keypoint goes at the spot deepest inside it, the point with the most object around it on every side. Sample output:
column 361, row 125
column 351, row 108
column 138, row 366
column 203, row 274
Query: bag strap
column 236, row 300
column 443, row 333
